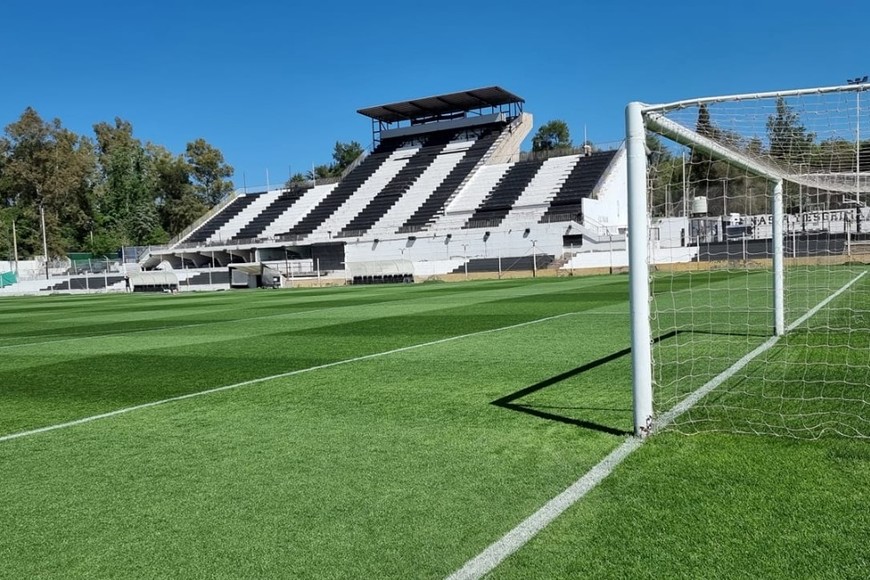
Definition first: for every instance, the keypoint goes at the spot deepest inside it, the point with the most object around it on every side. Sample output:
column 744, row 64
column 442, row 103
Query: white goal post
column 797, row 155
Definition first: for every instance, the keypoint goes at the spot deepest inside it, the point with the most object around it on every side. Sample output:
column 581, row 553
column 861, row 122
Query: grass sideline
column 398, row 466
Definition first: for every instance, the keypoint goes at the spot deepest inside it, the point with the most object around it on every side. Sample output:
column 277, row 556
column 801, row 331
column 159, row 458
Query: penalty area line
column 497, row 552
column 150, row 404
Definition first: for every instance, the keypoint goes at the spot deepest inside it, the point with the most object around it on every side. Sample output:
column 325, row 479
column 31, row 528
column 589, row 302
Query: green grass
column 397, row 466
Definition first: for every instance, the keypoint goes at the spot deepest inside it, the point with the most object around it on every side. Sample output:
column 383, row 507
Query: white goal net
column 757, row 244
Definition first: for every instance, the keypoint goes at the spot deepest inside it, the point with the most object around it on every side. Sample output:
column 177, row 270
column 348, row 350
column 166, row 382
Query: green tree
column 789, row 139
column 127, row 191
column 179, row 205
column 209, row 172
column 552, row 135
column 47, row 168
column 320, row 172
column 343, row 155
column 296, row 180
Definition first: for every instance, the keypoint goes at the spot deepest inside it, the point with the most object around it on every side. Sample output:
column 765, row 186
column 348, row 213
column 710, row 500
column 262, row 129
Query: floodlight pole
column 638, row 268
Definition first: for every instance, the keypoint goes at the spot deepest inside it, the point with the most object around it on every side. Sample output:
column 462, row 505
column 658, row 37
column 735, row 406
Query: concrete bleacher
column 499, row 202
column 579, row 185
column 544, row 186
column 216, row 221
column 270, row 214
column 387, row 197
column 436, row 201
column 422, row 189
column 471, row 196
column 230, row 230
column 343, row 213
column 310, row 199
column 347, row 187
column 446, row 182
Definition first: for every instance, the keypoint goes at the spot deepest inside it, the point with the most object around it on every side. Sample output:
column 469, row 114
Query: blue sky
column 274, row 85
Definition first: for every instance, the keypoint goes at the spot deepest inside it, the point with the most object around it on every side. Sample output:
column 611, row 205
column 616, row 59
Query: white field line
column 125, row 410
column 487, row 560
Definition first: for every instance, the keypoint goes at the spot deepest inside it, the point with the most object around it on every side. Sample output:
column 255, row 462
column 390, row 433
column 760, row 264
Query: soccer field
column 383, row 432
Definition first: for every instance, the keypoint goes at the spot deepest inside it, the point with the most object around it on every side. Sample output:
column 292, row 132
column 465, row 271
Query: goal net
column 750, row 248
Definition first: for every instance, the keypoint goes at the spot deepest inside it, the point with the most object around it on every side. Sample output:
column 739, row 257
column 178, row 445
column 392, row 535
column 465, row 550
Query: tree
column 209, row 172
column 296, row 180
column 47, row 169
column 179, row 205
column 343, row 155
column 320, row 172
column 128, row 188
column 552, row 135
column 789, row 139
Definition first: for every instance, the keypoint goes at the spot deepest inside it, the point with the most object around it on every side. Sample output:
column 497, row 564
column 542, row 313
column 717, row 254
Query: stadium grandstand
column 444, row 191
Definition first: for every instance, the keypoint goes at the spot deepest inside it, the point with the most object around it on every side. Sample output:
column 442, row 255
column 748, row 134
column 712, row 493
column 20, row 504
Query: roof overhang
column 487, row 97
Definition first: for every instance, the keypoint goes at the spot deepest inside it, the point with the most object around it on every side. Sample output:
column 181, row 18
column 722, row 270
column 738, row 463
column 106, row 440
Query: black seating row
column 580, row 184
column 265, row 218
column 218, row 220
column 504, row 195
column 345, row 188
column 399, row 185
column 436, row 201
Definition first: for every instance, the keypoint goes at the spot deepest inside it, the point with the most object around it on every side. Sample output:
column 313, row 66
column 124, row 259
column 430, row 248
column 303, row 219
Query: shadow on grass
column 509, row 401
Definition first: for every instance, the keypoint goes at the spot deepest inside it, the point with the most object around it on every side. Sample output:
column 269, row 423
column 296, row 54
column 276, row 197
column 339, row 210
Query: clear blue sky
column 274, row 85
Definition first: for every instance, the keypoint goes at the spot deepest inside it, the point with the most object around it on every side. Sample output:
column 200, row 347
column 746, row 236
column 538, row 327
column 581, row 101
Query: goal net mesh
column 712, row 166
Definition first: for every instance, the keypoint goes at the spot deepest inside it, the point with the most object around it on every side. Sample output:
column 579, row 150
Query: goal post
column 710, row 286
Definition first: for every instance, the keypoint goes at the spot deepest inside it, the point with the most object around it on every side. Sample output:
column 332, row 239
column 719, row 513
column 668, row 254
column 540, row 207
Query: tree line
column 729, row 189
column 102, row 191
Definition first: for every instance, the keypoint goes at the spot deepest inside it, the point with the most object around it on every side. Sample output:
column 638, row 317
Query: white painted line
column 492, row 556
column 273, row 377
column 486, row 561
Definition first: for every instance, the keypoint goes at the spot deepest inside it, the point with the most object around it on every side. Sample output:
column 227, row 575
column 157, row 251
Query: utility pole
column 44, row 239
column 15, row 247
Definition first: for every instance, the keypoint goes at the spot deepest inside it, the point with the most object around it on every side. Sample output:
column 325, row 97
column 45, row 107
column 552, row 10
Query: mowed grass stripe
column 269, row 378
column 389, row 467
column 154, row 312
column 59, row 383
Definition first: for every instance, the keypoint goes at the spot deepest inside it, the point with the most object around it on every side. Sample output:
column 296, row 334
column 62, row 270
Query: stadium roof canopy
column 441, row 105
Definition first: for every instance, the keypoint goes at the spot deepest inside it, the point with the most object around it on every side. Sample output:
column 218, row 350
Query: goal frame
column 640, row 117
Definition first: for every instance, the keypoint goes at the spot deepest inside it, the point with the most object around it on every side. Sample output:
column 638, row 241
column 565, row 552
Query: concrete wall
column 508, row 149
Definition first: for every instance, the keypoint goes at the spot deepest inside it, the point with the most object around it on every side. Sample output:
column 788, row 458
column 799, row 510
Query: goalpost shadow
column 509, row 401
